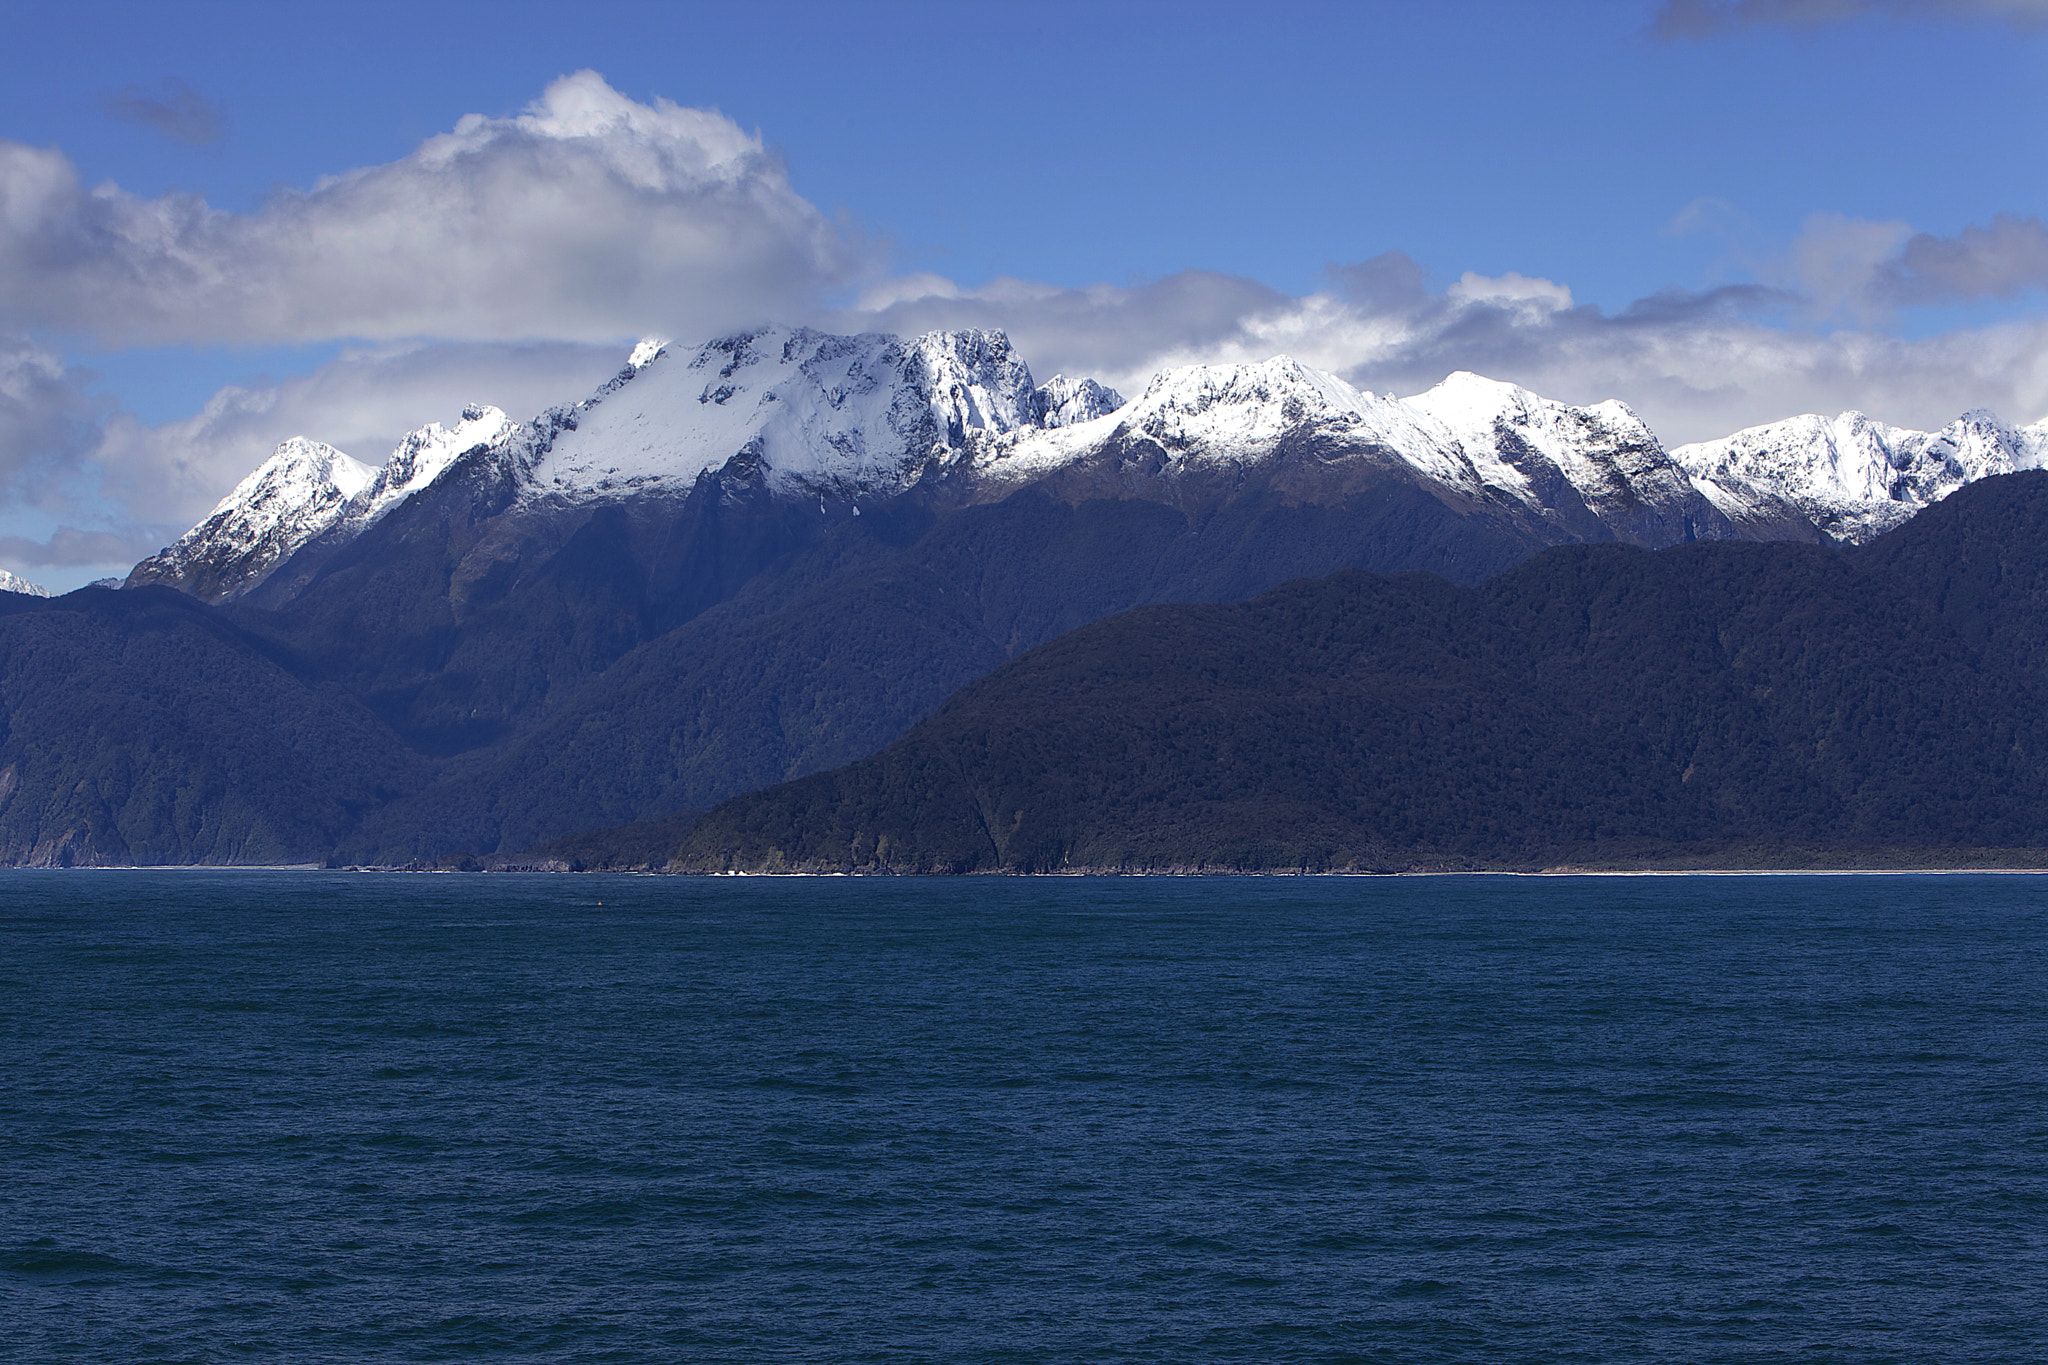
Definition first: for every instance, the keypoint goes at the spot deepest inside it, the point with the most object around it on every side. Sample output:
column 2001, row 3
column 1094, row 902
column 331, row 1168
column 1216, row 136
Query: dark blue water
column 324, row 1117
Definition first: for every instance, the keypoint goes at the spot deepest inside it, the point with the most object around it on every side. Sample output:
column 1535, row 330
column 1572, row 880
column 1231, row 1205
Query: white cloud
column 48, row 420
column 589, row 217
column 1835, row 263
column 1866, row 270
column 1995, row 261
column 1535, row 294
column 97, row 553
column 906, row 289
column 1119, row 334
column 1709, row 214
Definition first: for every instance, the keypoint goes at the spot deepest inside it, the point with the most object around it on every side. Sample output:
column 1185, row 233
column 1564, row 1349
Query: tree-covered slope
column 141, row 727
column 1708, row 703
column 831, row 652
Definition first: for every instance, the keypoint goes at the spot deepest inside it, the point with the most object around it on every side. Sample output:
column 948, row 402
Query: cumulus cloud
column 48, row 419
column 1995, row 261
column 588, row 217
column 1512, row 290
column 1693, row 19
column 174, row 109
column 1865, row 269
column 1835, row 263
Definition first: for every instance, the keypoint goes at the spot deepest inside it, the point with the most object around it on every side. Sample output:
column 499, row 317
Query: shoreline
column 1552, row 873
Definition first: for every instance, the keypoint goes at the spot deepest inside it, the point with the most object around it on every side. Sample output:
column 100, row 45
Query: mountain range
column 773, row 554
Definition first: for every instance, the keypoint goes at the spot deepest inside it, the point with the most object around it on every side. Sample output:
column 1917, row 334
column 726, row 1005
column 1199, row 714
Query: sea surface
column 320, row 1116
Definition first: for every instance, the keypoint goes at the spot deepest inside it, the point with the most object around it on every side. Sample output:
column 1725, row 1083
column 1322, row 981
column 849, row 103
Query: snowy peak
column 1976, row 445
column 298, row 493
column 1489, row 416
column 1289, row 389
column 807, row 415
column 1845, row 459
column 1854, row 476
column 1064, row 402
column 810, row 412
column 10, row 583
column 1240, row 414
column 1524, row 444
column 304, row 491
column 300, row 473
column 421, row 456
column 972, row 381
column 425, row 455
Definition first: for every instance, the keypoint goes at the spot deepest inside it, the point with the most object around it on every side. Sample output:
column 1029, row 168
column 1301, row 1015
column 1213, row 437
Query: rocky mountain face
column 770, row 555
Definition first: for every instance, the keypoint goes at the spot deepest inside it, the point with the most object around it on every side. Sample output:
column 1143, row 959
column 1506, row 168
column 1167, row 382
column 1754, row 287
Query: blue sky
column 1721, row 213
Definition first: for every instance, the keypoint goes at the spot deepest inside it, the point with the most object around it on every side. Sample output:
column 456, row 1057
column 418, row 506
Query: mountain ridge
column 852, row 418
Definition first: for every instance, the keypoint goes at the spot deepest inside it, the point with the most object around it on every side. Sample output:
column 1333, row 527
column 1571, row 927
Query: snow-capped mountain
column 1588, row 473
column 296, row 494
column 1603, row 458
column 304, row 491
column 1853, row 476
column 12, row 583
column 814, row 415
column 740, row 563
column 835, row 416
column 845, row 419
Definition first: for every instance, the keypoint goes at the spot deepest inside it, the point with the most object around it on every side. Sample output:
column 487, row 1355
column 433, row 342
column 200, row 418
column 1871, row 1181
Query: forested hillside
column 1600, row 705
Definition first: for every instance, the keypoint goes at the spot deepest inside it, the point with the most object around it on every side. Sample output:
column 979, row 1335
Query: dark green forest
column 1597, row 706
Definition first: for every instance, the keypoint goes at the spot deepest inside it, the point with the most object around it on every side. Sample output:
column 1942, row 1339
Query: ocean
column 335, row 1117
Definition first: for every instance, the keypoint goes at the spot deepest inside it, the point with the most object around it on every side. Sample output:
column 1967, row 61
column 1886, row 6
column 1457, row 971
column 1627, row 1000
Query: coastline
column 1553, row 873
